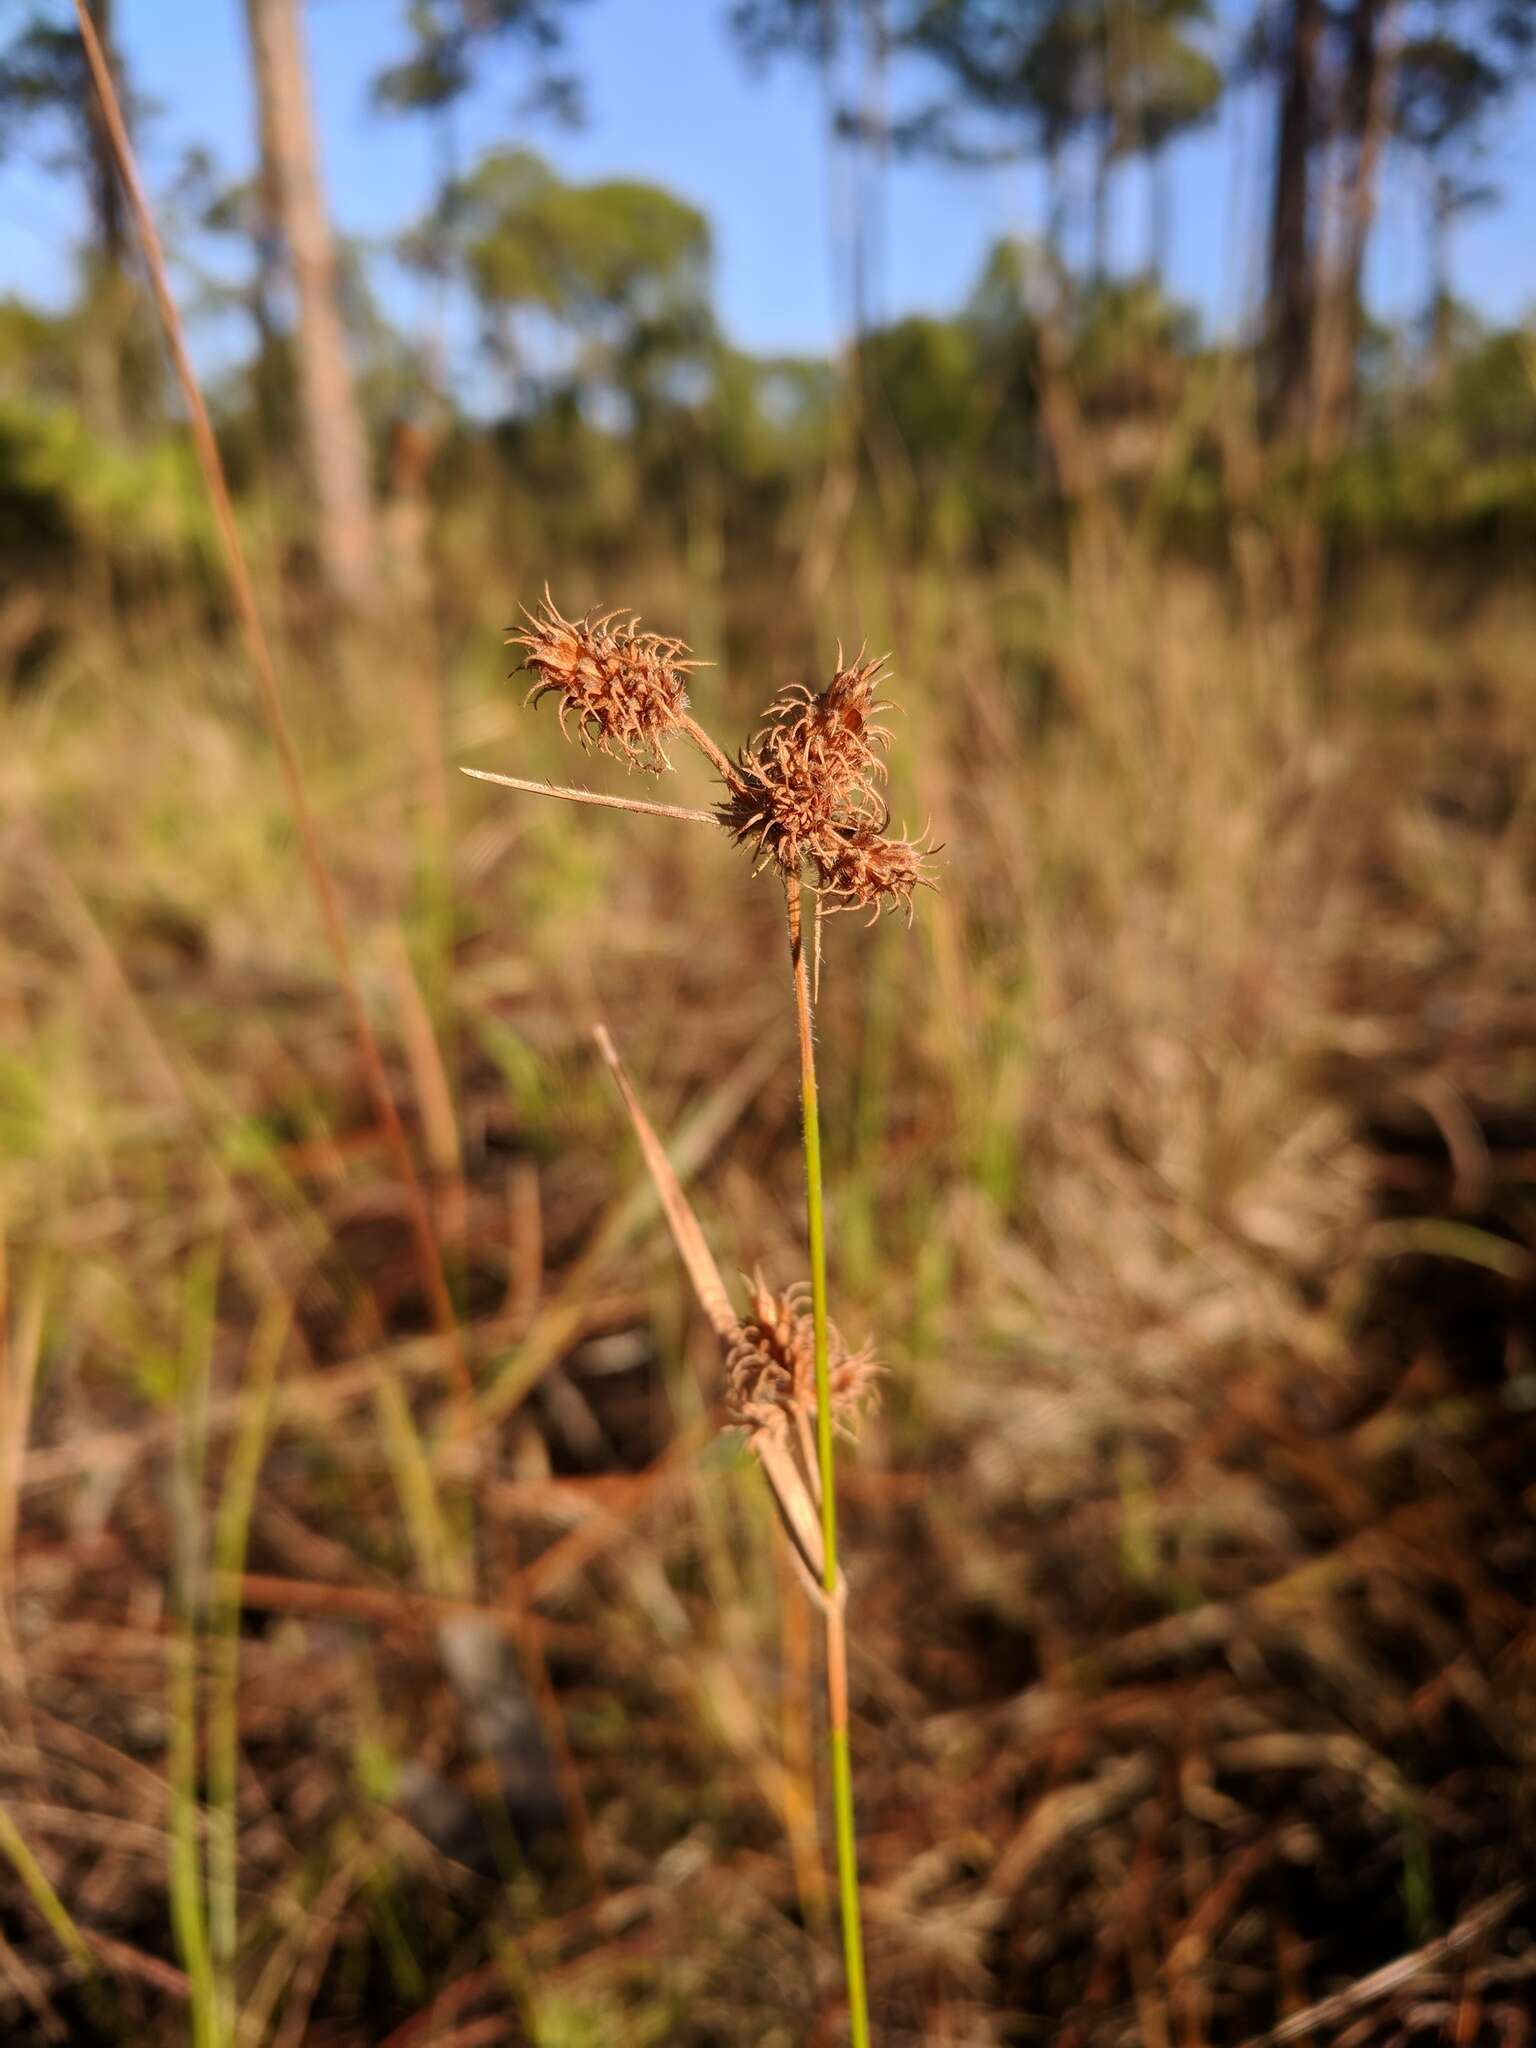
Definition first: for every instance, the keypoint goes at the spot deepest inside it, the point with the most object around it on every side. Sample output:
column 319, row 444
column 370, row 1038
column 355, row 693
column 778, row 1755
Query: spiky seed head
column 771, row 1367
column 804, row 796
column 625, row 690
column 867, row 871
column 784, row 816
column 830, row 737
column 794, row 820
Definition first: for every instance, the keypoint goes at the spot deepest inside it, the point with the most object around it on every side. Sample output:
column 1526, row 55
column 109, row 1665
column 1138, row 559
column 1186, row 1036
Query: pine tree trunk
column 1055, row 203
column 1159, row 214
column 1369, row 90
column 335, row 446
column 1103, row 147
column 110, row 219
column 108, row 290
column 1441, row 302
column 1368, row 115
column 1290, row 248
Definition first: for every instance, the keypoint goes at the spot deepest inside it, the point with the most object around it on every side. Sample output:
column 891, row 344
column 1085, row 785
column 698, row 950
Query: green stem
column 186, row 1877
column 231, row 1533
column 837, row 1641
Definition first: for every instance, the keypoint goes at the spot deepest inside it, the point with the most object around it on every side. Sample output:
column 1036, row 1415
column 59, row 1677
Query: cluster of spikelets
column 804, row 796
column 771, row 1366
column 626, row 690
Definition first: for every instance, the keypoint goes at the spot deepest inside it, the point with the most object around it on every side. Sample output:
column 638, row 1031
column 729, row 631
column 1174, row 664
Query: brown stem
column 592, row 796
column 260, row 654
column 718, row 759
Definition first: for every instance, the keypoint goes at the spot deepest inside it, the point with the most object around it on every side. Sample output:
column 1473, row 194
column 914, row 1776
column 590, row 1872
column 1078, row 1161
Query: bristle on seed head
column 771, row 1367
column 830, row 738
column 804, row 796
column 786, row 819
column 626, row 690
column 868, row 871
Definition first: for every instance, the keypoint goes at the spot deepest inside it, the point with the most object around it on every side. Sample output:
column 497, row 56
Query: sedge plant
column 804, row 799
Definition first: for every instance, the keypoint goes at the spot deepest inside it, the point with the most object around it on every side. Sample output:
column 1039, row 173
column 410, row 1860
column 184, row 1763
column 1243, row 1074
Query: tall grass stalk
column 231, row 1534
column 836, row 1623
column 188, row 1898
column 16, row 1851
column 804, row 799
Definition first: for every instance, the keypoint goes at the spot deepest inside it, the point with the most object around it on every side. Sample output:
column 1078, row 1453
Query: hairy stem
column 594, row 796
column 715, row 755
column 836, row 1630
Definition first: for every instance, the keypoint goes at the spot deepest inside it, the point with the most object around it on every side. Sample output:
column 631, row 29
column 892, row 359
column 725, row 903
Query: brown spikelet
column 796, row 821
column 809, row 771
column 626, row 690
column 771, row 1367
column 830, row 737
column 868, row 871
column 786, row 818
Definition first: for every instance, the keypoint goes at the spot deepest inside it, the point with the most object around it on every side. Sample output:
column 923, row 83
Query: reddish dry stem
column 271, row 700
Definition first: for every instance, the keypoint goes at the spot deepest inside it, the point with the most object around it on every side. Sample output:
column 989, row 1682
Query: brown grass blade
column 796, row 1508
column 1395, row 1976
column 687, row 1232
column 554, row 1327
column 265, row 673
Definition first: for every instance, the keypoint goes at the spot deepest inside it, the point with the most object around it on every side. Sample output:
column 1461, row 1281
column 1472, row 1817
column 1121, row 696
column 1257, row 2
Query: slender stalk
column 836, row 1627
column 263, row 669
column 186, row 1875
column 714, row 754
column 34, row 1880
column 231, row 1533
column 594, row 796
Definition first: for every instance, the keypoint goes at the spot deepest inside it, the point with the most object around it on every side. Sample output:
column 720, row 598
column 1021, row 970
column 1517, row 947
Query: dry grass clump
column 1192, row 1545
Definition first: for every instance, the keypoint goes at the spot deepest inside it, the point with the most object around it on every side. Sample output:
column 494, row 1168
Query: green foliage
column 60, row 483
column 801, row 28
column 39, row 352
column 447, row 37
column 576, row 2017
column 1132, row 345
column 1129, row 67
column 579, row 252
column 1493, row 396
column 42, row 72
column 44, row 80
column 772, row 415
column 1457, row 66
column 1444, row 88
column 596, row 292
column 45, row 89
column 1163, row 83
column 925, row 374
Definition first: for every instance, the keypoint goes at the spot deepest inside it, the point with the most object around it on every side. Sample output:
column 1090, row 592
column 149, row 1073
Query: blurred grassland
column 1180, row 1161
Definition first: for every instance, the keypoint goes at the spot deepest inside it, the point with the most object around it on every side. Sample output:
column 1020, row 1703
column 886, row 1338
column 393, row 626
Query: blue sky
column 669, row 99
